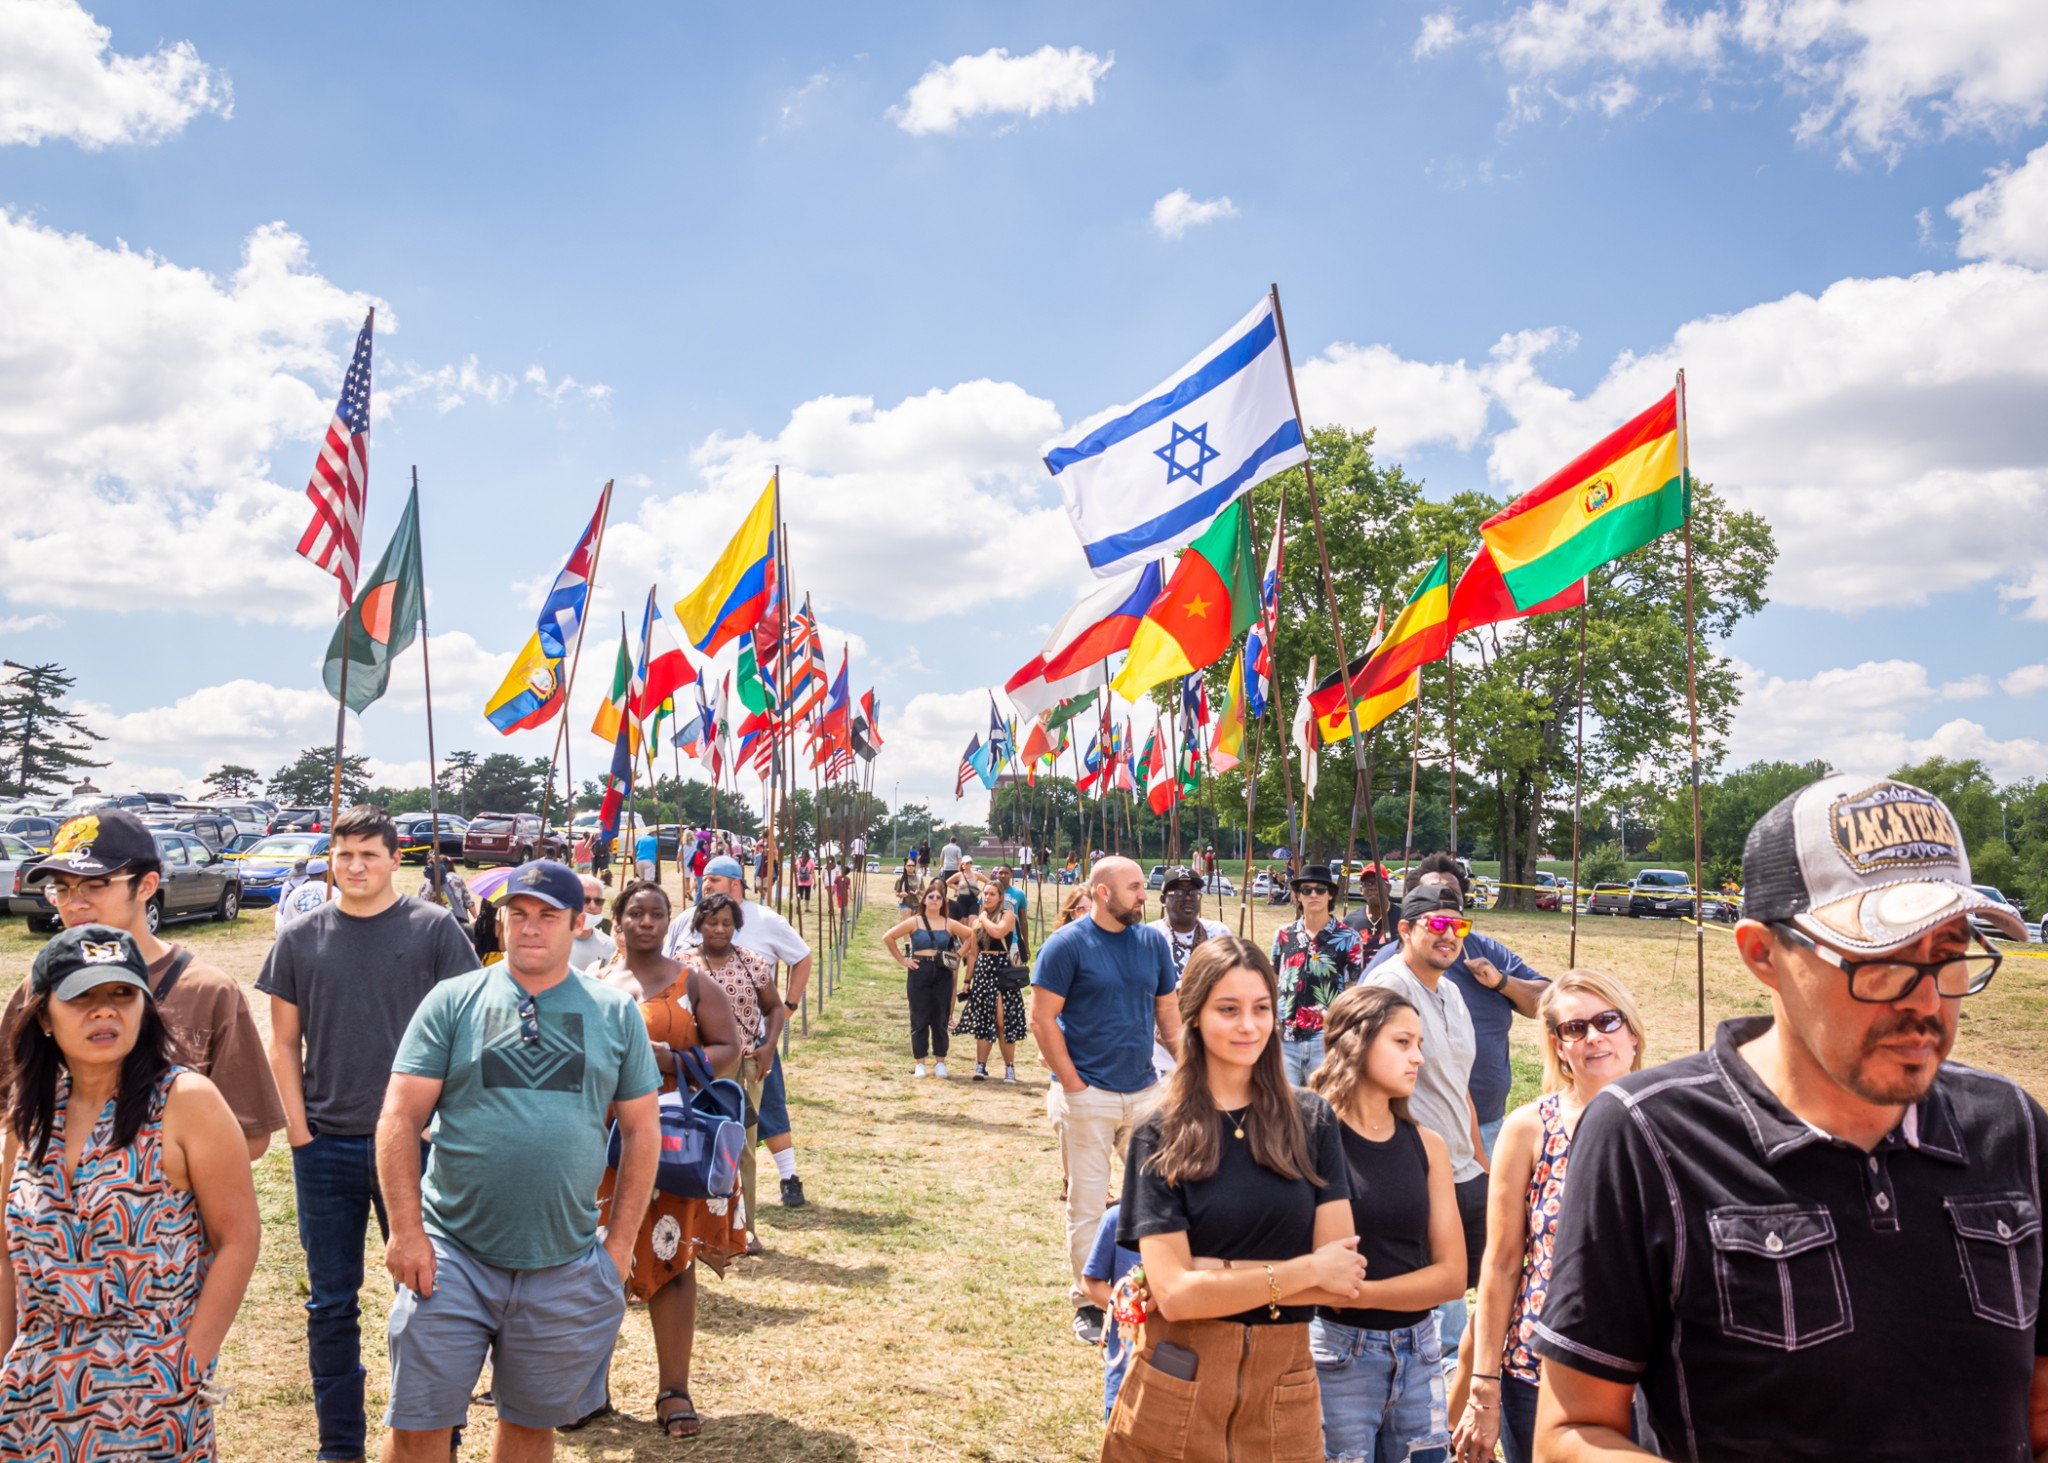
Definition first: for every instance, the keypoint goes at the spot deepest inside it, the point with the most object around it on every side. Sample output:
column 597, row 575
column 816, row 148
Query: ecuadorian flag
column 1610, row 500
column 531, row 691
column 740, row 587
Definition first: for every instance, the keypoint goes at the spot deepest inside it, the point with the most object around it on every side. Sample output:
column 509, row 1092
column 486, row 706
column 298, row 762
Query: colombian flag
column 530, row 693
column 740, row 587
column 1419, row 635
column 1610, row 500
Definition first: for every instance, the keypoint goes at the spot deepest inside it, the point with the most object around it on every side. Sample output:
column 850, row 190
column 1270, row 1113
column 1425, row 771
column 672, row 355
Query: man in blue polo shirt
column 1102, row 987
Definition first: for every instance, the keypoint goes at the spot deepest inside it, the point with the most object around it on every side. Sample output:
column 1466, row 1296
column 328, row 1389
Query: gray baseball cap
column 1864, row 864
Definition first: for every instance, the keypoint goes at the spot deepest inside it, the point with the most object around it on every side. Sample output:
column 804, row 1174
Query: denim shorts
column 550, row 1334
column 774, row 1102
column 1383, row 1393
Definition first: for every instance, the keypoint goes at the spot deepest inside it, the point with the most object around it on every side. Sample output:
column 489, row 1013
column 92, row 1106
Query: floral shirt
column 1313, row 971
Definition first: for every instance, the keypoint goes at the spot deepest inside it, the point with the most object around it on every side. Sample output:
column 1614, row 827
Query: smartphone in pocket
column 1174, row 1361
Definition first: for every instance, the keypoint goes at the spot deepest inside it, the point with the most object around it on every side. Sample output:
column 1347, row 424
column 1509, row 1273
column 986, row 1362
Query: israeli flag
column 1140, row 480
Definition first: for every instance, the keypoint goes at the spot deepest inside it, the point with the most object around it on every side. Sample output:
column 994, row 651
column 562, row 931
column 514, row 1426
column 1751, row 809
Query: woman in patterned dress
column 132, row 1225
column 991, row 1014
column 683, row 1010
column 1592, row 1036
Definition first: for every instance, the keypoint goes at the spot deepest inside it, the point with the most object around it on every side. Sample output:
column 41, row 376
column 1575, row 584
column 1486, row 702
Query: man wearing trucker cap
column 1816, row 1239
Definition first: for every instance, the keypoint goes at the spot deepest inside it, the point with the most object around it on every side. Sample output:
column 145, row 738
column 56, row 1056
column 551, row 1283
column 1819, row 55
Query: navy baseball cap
column 86, row 958
column 548, row 881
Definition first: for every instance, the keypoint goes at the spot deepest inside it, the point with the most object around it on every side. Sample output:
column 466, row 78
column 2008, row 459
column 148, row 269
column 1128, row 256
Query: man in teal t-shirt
column 496, row 1246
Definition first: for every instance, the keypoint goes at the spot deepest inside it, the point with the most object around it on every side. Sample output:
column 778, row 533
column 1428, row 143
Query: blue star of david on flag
column 1170, row 454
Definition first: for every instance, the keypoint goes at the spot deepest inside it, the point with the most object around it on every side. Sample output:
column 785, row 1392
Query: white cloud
column 2028, row 680
column 1969, row 688
column 22, row 624
column 1876, row 74
column 923, row 751
column 995, row 83
column 1857, row 719
column 1409, row 403
column 2008, row 217
column 1180, row 211
column 61, row 79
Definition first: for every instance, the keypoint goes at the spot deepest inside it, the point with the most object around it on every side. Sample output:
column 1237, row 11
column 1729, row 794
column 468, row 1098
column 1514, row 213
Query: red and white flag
column 341, row 477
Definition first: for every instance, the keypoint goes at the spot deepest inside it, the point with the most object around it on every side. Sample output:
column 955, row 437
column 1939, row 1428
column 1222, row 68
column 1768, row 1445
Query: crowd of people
column 401, row 1068
column 1285, row 1168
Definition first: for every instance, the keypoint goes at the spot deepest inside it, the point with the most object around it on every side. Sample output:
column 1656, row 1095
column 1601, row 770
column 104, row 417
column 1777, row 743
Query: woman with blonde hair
column 1380, row 1358
column 1236, row 1197
column 1077, row 905
column 1592, row 1035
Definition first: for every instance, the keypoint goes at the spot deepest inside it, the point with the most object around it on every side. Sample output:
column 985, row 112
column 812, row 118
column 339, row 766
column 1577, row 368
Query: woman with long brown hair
column 936, row 940
column 1380, row 1359
column 1236, row 1196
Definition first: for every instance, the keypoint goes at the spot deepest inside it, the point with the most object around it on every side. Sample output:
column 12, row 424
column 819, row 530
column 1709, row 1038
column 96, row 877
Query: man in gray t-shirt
column 344, row 980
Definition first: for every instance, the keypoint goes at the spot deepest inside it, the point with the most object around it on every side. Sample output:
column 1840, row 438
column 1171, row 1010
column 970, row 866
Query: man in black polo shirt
column 1815, row 1241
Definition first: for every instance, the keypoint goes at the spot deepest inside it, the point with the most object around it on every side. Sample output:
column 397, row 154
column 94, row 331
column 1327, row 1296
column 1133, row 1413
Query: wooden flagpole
column 1692, row 716
column 427, row 681
column 623, row 849
column 1451, row 733
column 1361, row 790
column 1578, row 784
column 1414, row 760
column 604, row 515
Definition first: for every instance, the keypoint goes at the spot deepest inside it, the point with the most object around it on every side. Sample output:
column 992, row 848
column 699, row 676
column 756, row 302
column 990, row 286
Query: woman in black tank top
column 1380, row 1361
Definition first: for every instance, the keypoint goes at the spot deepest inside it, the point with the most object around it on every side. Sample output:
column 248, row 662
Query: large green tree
column 503, row 783
column 308, row 780
column 232, row 780
column 42, row 745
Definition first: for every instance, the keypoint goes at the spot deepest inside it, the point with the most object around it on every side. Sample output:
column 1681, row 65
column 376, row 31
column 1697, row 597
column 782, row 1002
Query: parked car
column 1610, row 899
column 16, row 858
column 93, row 802
column 1549, row 891
column 267, row 863
column 1984, row 927
column 216, row 830
column 416, row 833
column 1665, row 893
column 508, row 838
column 247, row 817
column 37, row 830
column 25, row 805
column 197, row 883
column 298, row 820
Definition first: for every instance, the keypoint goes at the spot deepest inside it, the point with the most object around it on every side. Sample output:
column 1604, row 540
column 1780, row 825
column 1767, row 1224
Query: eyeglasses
column 597, row 903
column 1604, row 1022
column 56, row 891
column 1447, row 924
column 1880, row 982
column 529, row 1022
column 1307, row 889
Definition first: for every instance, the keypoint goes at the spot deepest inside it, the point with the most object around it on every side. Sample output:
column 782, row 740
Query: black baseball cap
column 95, row 844
column 1179, row 875
column 1428, row 899
column 548, row 881
column 86, row 957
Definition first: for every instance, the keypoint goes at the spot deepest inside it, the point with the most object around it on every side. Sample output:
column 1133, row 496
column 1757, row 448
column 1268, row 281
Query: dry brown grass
column 917, row 1308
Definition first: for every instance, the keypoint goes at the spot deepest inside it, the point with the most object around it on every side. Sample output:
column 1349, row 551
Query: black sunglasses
column 1604, row 1022
column 529, row 1022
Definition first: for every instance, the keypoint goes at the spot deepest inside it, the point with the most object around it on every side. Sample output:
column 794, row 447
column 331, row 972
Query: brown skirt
column 675, row 1233
column 1254, row 1396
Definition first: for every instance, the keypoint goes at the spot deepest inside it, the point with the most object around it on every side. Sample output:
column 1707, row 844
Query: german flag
column 1610, row 500
column 1419, row 635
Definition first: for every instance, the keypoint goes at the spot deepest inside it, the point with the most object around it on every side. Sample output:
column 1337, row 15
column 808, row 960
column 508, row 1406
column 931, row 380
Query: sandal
column 684, row 1416
column 604, row 1409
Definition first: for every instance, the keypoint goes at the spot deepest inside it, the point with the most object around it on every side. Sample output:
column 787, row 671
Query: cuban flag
column 562, row 611
column 1100, row 624
column 1258, row 648
column 1139, row 480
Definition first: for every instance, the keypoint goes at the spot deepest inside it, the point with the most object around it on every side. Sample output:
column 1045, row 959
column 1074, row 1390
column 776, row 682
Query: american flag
column 840, row 765
column 341, row 477
column 967, row 768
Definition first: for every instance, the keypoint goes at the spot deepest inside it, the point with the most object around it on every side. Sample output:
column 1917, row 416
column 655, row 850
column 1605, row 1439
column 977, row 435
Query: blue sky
column 897, row 251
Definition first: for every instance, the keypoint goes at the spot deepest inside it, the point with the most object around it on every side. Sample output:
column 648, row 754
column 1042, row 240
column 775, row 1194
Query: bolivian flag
column 1610, row 500
column 1206, row 605
column 1419, row 635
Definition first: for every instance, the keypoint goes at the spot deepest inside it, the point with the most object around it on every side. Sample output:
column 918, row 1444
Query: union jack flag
column 806, row 652
column 341, row 477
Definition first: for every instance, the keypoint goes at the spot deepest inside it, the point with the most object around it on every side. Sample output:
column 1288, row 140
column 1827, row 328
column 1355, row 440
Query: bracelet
column 1273, row 1292
column 1486, row 1376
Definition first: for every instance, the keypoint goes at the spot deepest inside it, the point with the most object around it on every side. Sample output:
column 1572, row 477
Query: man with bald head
column 1101, row 988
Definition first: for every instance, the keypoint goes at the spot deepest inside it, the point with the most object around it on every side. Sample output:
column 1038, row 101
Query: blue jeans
column 335, row 1180
column 1517, row 1419
column 1301, row 1057
column 1489, row 1134
column 774, row 1102
column 1383, row 1393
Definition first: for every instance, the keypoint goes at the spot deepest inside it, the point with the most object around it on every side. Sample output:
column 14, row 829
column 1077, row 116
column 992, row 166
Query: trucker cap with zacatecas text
column 1864, row 864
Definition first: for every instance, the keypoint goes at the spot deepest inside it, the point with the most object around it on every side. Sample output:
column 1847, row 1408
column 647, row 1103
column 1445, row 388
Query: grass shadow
column 725, row 1314
column 853, row 1221
column 751, row 1436
column 962, row 1120
column 802, row 1270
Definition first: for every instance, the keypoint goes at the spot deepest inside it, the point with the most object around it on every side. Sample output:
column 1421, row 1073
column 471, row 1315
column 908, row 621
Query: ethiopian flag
column 1371, row 711
column 1610, row 500
column 1209, row 602
column 1419, row 635
column 1229, row 741
column 384, row 618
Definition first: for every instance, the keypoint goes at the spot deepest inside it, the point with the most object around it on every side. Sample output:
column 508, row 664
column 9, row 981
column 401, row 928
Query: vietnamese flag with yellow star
column 1210, row 600
column 386, row 615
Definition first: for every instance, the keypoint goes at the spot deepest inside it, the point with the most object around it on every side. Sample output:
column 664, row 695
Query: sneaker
column 981, row 1071
column 1010, row 1075
column 793, row 1193
column 1088, row 1324
column 918, row 1070
column 939, row 1070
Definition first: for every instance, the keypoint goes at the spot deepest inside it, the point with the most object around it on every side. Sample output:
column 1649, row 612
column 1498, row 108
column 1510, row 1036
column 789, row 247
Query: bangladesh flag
column 384, row 618
column 1211, row 600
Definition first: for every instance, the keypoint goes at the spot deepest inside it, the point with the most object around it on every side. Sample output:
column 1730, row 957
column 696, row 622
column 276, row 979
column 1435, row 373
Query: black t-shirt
column 1390, row 1206
column 1242, row 1211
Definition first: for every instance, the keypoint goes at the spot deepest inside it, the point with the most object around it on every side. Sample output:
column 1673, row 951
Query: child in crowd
column 1108, row 1262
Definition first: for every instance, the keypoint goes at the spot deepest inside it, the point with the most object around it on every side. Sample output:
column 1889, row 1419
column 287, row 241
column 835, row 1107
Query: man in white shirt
column 767, row 933
column 1433, row 929
column 1183, row 925
column 1025, row 854
column 592, row 946
column 949, row 858
column 860, row 854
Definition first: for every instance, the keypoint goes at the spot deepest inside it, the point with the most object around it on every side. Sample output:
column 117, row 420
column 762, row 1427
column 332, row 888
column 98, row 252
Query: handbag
column 702, row 1138
column 1013, row 978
